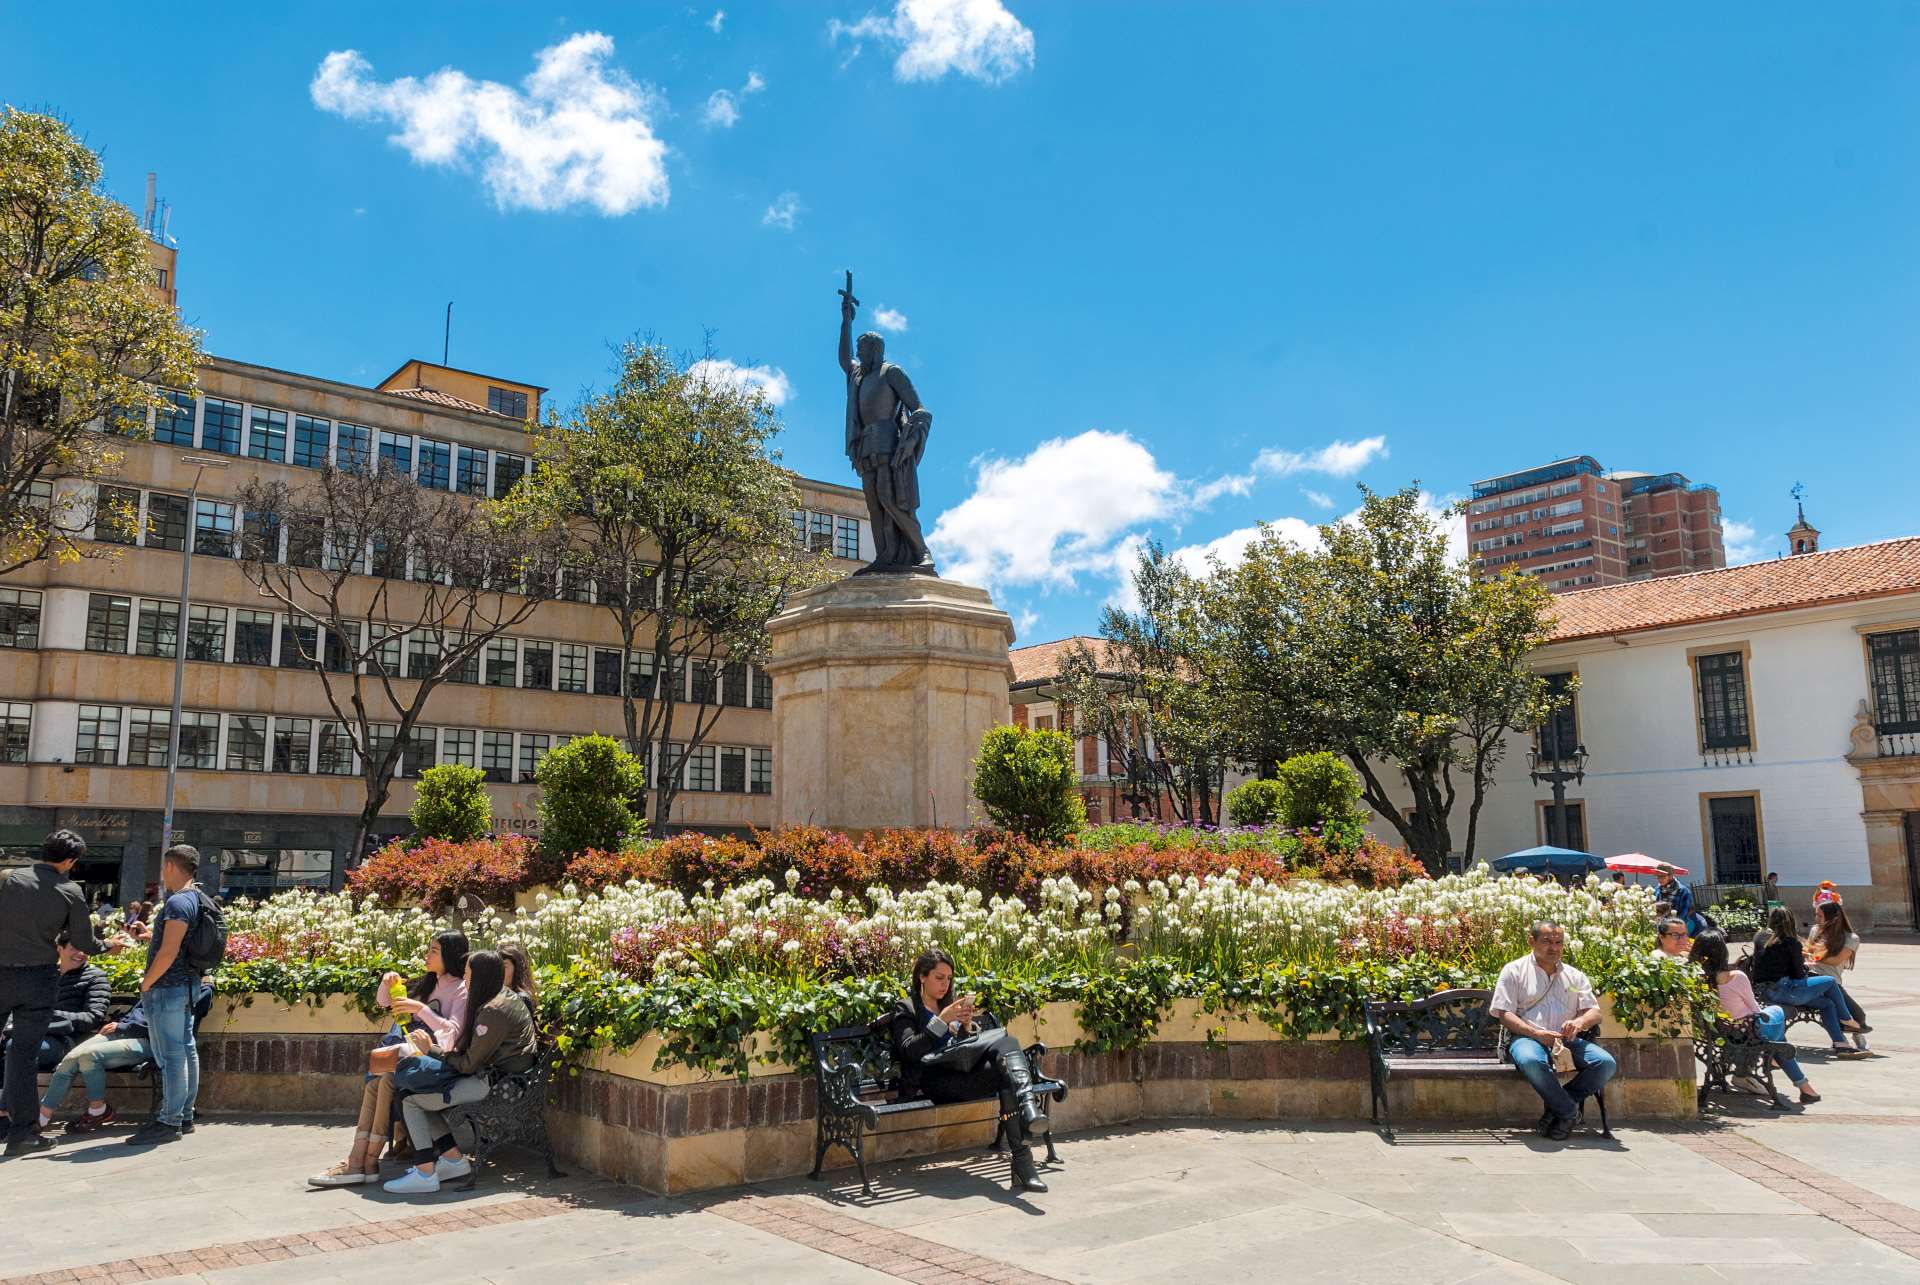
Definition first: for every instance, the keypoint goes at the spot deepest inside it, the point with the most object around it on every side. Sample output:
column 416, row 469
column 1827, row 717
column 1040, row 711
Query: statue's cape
column 906, row 476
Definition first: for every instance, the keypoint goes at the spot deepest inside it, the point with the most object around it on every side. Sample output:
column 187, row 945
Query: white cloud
column 891, row 320
column 783, row 213
column 717, row 21
column 1320, row 499
column 1025, row 621
column 1231, row 484
column 576, row 133
column 977, row 38
column 723, row 105
column 771, row 381
column 755, row 83
column 1341, row 459
column 1742, row 541
column 1059, row 511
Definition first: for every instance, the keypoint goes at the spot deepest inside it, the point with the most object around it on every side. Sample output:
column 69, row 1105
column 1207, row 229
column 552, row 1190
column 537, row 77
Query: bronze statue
column 886, row 435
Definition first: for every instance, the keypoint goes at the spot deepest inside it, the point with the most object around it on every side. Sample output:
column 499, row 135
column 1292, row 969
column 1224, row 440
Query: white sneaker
column 453, row 1168
column 413, row 1183
column 341, row 1176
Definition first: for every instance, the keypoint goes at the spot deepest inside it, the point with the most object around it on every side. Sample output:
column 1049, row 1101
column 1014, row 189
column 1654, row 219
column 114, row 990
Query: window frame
column 232, row 420
column 1695, row 657
column 260, row 421
column 1908, row 696
column 1708, row 865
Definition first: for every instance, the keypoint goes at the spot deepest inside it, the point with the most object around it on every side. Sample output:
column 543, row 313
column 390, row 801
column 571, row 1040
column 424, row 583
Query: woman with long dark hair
column 941, row 1058
column 1780, row 976
column 1833, row 948
column 434, row 1002
column 495, row 1036
column 1736, row 997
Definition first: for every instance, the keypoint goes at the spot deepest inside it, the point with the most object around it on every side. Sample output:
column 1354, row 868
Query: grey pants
column 423, row 1111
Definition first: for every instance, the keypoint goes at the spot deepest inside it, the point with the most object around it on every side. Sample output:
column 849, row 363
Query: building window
column 19, row 618
column 199, row 740
column 147, row 734
column 159, row 631
column 762, row 689
column 700, row 773
column 98, row 739
column 820, row 532
column 421, row 751
column 396, row 451
column 292, row 745
column 537, row 669
column 306, row 542
column 1724, row 724
column 116, row 515
column 1894, row 660
column 343, row 647
column 166, row 521
column 335, row 753
column 1576, row 819
column 299, row 645
column 173, row 421
column 436, row 465
column 353, row 448
column 733, row 686
column 673, row 756
column 507, row 472
column 704, row 687
column 458, row 745
column 16, row 720
column 213, row 528
column 267, row 435
column 533, row 748
column 260, row 536
column 423, row 654
column 576, row 586
column 606, row 672
column 107, row 623
column 380, row 738
column 507, row 401
column 760, row 777
column 573, row 668
column 846, row 537
column 641, row 669
column 467, row 669
column 252, row 637
column 1733, row 837
column 207, row 634
column 733, row 769
column 1558, row 738
column 501, row 655
column 387, row 654
column 470, row 475
column 246, row 743
column 311, row 440
column 496, row 756
column 220, row 427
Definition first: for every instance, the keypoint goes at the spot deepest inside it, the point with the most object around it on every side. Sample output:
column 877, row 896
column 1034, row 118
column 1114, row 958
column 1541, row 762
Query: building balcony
column 1905, row 744
column 1727, row 756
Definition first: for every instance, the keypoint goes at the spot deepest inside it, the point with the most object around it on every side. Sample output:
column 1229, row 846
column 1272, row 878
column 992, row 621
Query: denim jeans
column 1772, row 1024
column 1595, row 1065
column 1821, row 994
column 170, row 1032
column 91, row 1060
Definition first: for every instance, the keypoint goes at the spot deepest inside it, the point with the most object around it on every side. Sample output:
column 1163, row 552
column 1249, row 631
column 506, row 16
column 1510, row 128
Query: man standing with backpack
column 189, row 939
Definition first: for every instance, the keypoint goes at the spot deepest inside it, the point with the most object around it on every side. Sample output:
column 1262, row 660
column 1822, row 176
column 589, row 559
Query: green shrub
column 1256, row 803
column 452, row 803
column 1320, row 790
column 592, row 795
column 1027, row 783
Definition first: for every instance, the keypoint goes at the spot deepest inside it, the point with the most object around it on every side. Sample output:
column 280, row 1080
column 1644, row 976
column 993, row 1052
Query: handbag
column 423, row 1074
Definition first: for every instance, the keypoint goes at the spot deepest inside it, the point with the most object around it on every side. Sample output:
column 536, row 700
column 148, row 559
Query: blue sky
column 1163, row 270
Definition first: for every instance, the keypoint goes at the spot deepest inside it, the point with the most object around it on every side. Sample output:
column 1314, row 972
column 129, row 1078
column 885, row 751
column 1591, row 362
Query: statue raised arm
column 887, row 431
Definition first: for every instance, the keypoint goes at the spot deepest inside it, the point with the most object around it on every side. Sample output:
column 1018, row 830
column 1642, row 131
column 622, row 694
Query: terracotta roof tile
column 1042, row 660
column 1802, row 580
column 448, row 400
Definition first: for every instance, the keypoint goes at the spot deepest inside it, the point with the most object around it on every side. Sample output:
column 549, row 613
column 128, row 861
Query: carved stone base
column 883, row 686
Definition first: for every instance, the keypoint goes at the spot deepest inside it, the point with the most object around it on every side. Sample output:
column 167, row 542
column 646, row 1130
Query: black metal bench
column 514, row 1113
column 1448, row 1034
column 146, row 1072
column 859, row 1085
column 1729, row 1050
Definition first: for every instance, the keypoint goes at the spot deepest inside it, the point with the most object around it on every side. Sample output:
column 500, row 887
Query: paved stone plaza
column 1831, row 1192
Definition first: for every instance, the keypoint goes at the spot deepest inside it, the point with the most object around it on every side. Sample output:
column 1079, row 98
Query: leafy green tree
column 1380, row 647
column 1257, row 803
column 593, row 796
column 1318, row 789
column 451, row 802
column 681, row 518
column 1027, row 783
column 86, row 341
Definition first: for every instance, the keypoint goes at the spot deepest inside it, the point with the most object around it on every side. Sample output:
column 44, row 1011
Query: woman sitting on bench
column 1832, row 949
column 944, row 1057
column 1780, row 977
column 1736, row 997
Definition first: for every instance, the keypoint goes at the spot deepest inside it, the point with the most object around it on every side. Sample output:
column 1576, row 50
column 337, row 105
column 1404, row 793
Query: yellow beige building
column 268, row 786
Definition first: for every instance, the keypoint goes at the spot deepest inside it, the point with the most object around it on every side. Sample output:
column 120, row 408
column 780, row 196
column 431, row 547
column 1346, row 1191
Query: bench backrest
column 1451, row 1021
column 861, row 1047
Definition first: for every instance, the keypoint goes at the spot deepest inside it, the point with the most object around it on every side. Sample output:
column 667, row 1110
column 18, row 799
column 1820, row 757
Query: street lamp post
column 1553, row 772
column 201, row 464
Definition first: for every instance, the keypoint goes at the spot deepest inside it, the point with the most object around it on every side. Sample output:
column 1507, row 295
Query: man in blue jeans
column 1544, row 1001
column 166, row 993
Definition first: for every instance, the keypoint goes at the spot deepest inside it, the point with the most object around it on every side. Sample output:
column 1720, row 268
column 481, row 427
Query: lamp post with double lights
column 1556, row 773
column 201, row 464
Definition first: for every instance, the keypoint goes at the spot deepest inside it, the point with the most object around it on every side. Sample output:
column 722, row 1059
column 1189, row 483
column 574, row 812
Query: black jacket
column 37, row 904
column 1779, row 960
column 913, row 1037
column 81, row 1007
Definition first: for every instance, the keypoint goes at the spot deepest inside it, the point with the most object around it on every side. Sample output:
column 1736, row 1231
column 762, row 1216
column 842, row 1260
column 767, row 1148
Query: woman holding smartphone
column 930, row 1022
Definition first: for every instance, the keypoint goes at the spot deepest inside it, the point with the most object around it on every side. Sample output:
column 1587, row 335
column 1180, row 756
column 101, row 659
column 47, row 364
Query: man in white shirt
column 1544, row 1001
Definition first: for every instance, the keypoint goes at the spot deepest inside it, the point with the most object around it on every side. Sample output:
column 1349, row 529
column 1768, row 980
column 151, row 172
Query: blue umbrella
column 1548, row 860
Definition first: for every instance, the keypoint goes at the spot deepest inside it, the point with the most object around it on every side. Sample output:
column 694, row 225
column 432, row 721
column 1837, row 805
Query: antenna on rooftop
column 153, row 179
column 446, row 339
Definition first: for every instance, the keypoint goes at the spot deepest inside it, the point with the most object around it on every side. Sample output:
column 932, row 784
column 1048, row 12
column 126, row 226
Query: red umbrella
column 1640, row 863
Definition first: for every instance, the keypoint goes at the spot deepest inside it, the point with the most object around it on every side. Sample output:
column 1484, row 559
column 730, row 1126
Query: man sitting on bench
column 117, row 1047
column 1548, row 1008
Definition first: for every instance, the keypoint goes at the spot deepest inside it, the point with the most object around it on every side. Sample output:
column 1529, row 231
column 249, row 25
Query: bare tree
column 409, row 585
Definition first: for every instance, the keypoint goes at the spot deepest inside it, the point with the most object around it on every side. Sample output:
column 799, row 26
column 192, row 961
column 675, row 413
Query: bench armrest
column 839, row 1093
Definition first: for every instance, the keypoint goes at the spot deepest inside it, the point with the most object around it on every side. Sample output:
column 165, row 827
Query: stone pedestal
column 883, row 686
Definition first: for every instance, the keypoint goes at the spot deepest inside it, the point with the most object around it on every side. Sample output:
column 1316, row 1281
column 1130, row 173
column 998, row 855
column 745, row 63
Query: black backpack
column 206, row 944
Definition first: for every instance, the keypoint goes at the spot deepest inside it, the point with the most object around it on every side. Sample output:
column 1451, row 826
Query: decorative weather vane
column 1799, row 500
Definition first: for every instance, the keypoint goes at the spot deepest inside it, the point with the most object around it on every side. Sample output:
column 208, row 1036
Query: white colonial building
column 1755, row 719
